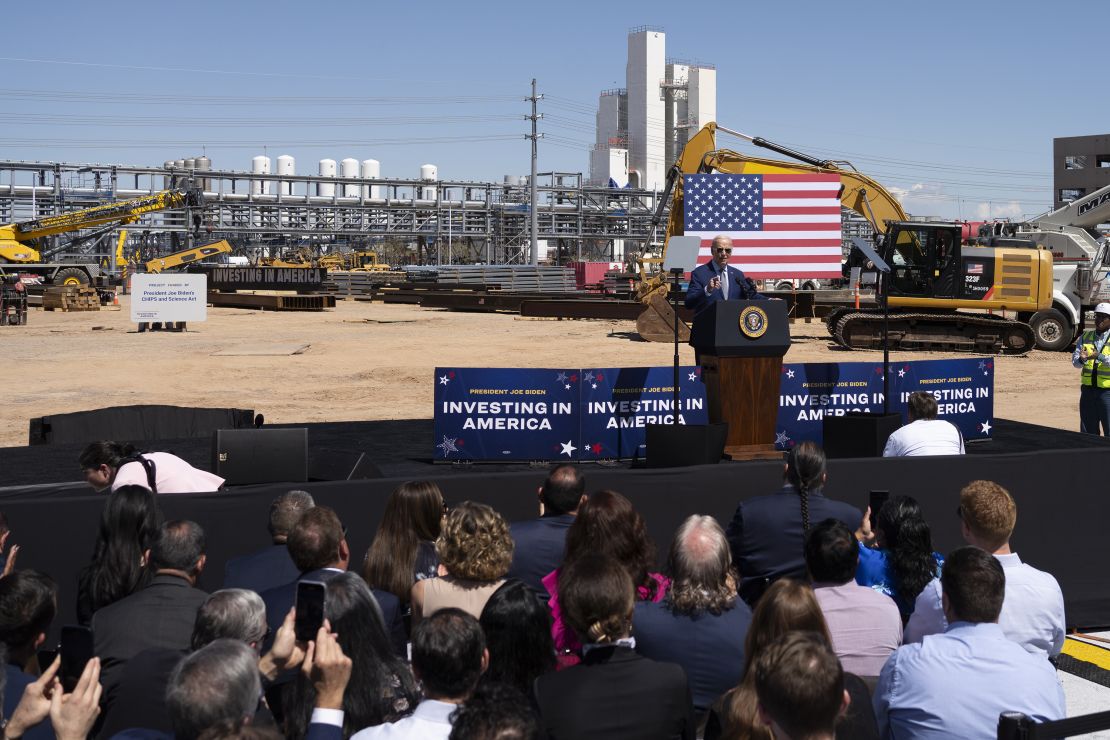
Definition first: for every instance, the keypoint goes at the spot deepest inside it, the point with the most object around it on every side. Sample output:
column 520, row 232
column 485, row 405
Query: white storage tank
column 179, row 164
column 287, row 166
column 204, row 164
column 260, row 165
column 371, row 170
column 349, row 168
column 428, row 173
column 327, row 169
column 190, row 163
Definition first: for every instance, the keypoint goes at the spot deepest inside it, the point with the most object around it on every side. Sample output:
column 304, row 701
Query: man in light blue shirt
column 1033, row 609
column 956, row 684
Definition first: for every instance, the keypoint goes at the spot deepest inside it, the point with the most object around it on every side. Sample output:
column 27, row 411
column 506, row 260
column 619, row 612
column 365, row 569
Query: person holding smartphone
column 24, row 632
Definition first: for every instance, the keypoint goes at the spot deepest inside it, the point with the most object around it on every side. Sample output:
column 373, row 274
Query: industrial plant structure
column 272, row 208
column 642, row 128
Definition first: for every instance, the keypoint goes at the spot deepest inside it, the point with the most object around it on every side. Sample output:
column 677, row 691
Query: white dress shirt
column 1032, row 612
column 430, row 721
column 925, row 437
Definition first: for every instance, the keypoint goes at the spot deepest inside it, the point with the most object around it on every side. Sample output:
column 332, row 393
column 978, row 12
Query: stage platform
column 1052, row 474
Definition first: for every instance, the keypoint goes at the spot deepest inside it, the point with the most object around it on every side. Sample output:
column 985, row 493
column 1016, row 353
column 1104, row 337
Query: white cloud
column 995, row 210
column 925, row 199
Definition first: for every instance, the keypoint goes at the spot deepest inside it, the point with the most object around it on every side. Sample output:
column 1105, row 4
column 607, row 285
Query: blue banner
column 964, row 390
column 619, row 403
column 489, row 414
column 506, row 414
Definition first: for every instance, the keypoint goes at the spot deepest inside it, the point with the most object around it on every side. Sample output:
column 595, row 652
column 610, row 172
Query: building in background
column 1080, row 165
column 642, row 128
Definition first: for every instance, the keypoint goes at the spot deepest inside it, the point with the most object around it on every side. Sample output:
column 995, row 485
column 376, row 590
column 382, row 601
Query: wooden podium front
column 740, row 346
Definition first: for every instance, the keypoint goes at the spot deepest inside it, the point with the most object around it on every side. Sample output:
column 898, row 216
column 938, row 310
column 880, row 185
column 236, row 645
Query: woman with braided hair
column 767, row 533
column 613, row 692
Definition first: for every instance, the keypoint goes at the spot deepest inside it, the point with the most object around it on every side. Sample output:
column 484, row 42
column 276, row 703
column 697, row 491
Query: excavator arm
column 858, row 191
column 186, row 256
column 700, row 155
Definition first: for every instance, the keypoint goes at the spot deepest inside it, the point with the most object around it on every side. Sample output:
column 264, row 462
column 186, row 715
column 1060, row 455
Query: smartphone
column 310, row 609
column 878, row 498
column 76, row 649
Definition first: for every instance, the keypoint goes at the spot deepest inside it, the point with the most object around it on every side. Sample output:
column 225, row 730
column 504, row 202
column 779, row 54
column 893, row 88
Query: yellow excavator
column 932, row 274
column 187, row 256
column 22, row 247
column 353, row 261
column 356, row 261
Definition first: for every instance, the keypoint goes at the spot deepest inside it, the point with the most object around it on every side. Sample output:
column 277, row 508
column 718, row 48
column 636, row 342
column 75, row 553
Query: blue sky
column 954, row 103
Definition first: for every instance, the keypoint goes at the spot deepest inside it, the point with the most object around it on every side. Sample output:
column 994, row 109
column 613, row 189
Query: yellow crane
column 21, row 243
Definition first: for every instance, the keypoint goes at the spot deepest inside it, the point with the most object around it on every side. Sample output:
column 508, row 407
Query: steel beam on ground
column 272, row 302
column 589, row 309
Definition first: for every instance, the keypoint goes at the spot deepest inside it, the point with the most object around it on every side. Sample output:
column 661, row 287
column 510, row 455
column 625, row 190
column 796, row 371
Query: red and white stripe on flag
column 781, row 225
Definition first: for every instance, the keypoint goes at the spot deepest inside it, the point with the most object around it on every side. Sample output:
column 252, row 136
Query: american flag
column 975, row 268
column 782, row 226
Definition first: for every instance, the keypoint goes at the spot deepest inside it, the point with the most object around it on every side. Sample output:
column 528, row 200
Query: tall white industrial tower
column 647, row 54
column 641, row 129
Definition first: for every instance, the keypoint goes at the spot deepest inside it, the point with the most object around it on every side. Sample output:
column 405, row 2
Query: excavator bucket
column 656, row 322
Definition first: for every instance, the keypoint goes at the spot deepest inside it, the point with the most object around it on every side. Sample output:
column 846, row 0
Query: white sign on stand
column 169, row 297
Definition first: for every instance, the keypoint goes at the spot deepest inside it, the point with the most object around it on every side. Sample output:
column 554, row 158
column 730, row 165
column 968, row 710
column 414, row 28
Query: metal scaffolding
column 448, row 221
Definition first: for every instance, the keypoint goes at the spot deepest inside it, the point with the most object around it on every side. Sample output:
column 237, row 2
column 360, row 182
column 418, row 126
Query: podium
column 740, row 345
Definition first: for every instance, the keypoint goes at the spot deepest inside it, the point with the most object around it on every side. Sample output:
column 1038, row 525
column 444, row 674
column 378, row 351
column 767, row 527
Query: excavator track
column 950, row 332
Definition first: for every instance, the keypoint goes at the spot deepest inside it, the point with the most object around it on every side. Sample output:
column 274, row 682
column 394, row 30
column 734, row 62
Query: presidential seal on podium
column 753, row 322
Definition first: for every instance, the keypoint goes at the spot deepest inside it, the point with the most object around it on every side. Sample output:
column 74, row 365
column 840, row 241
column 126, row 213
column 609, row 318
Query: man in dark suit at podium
column 717, row 281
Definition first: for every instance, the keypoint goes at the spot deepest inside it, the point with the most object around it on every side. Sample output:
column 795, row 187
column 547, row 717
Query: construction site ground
column 368, row 361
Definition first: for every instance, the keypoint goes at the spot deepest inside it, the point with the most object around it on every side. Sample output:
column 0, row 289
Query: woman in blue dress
column 902, row 561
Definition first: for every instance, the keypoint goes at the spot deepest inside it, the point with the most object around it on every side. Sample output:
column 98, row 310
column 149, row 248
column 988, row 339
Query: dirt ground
column 367, row 361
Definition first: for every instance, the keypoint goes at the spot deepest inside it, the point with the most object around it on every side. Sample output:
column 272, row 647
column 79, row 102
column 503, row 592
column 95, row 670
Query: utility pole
column 532, row 200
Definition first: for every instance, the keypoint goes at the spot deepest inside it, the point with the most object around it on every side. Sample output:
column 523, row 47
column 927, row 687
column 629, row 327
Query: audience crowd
column 795, row 621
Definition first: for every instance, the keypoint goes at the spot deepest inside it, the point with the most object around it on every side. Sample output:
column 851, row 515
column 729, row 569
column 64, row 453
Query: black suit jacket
column 262, row 570
column 281, row 599
column 321, row 731
column 766, row 536
column 159, row 616
column 615, row 693
column 709, row 647
column 140, row 698
column 538, row 549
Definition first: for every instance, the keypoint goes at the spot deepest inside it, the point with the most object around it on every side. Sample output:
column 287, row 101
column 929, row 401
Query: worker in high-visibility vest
column 1092, row 356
